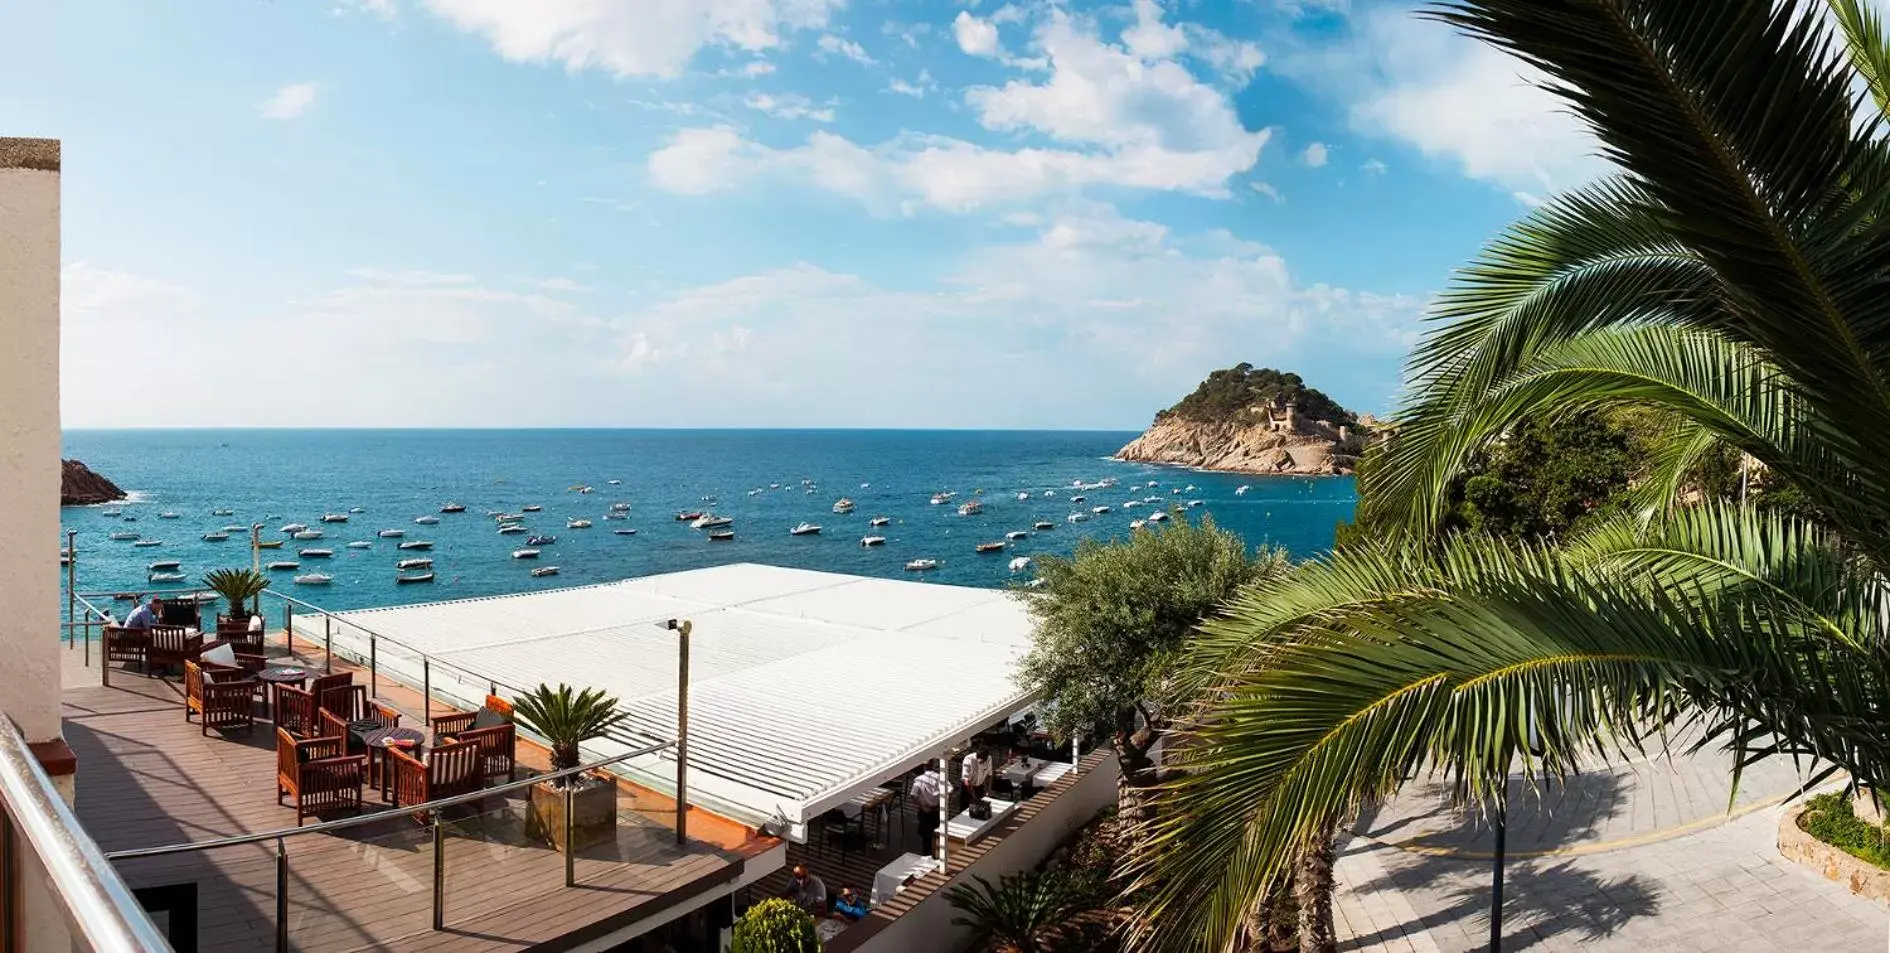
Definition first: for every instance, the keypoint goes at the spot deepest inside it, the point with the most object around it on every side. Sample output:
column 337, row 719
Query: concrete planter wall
column 1863, row 879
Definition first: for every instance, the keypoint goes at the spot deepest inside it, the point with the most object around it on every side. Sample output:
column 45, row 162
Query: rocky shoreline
column 1266, row 447
column 79, row 485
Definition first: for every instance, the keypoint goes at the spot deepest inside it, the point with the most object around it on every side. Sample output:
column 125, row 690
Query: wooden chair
column 220, row 703
column 450, row 769
column 247, row 662
column 172, row 645
column 319, row 772
column 325, row 682
column 351, row 704
column 453, row 723
column 498, row 749
column 128, row 645
column 296, row 712
column 331, row 726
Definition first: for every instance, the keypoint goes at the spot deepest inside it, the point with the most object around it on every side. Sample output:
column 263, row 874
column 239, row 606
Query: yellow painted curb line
column 1579, row 850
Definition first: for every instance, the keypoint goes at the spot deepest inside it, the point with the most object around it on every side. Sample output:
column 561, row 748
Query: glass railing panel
column 361, row 887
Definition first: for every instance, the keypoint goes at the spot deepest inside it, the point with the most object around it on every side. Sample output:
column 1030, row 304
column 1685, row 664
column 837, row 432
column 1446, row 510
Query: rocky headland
column 1255, row 420
column 79, row 486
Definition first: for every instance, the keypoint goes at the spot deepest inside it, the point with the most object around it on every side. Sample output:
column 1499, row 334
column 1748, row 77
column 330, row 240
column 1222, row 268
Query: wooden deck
column 148, row 778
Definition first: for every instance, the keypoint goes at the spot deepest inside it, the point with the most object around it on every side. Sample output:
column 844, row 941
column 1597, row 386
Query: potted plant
column 237, row 587
column 566, row 718
column 775, row 926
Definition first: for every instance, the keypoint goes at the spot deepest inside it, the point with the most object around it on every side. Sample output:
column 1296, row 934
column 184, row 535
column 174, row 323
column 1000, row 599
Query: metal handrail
column 326, row 826
column 98, row 906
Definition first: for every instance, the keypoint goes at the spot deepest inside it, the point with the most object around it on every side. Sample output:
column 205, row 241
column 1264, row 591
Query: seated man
column 144, row 616
column 849, row 905
column 807, row 891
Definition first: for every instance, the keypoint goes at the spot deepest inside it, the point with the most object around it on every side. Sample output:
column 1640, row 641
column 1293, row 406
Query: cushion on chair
column 487, row 718
column 223, row 654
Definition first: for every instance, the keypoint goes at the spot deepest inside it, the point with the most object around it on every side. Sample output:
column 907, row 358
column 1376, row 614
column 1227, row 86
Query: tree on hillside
column 1111, row 621
column 1228, row 393
column 1732, row 277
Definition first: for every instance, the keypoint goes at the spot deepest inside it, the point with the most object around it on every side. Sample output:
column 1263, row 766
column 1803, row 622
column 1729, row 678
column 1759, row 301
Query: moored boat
column 123, row 537
column 1157, row 516
column 687, row 515
column 524, row 554
column 391, row 533
column 543, row 571
column 710, row 521
column 316, row 553
column 512, row 528
column 426, row 520
column 721, row 535
column 334, row 517
column 167, row 515
column 624, row 532
column 360, row 544
column 970, row 508
column 921, row 565
column 148, row 543
column 872, row 541
column 530, row 508
column 453, row 508
column 879, row 521
column 1020, row 564
column 164, row 564
column 1043, row 525
column 989, row 547
column 269, row 544
column 1241, row 490
column 421, row 563
column 166, row 577
column 1016, row 534
column 314, row 579
column 223, row 512
column 577, row 524
column 282, row 564
column 308, row 534
column 843, row 506
column 416, row 577
column 939, row 499
column 417, row 544
column 292, row 528
column 805, row 529
column 540, row 540
column 1099, row 510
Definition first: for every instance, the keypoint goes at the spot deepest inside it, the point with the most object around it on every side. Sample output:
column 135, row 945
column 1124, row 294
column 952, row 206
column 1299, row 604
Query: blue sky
column 755, row 212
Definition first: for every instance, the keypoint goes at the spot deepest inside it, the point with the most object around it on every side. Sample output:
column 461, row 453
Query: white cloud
column 750, row 69
column 641, row 38
column 1267, row 189
column 830, row 43
column 976, row 37
column 1372, row 167
column 1150, row 38
column 908, row 33
column 1237, row 60
column 788, row 106
column 1462, row 102
column 1315, row 155
column 381, row 9
column 557, row 283
column 916, row 89
column 290, row 101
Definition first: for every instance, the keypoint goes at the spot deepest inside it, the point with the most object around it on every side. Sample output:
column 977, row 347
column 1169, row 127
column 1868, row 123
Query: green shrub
column 775, row 926
column 1829, row 818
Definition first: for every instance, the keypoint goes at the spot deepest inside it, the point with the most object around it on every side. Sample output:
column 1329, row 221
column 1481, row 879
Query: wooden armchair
column 351, row 704
column 319, row 772
column 453, row 723
column 321, row 685
column 247, row 661
column 498, row 749
column 172, row 645
column 450, row 769
column 296, row 712
column 218, row 702
column 128, row 645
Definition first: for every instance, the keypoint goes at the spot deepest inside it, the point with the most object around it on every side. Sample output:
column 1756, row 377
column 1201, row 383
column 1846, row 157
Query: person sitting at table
column 926, row 790
column 807, row 891
column 848, row 905
column 976, row 771
column 144, row 616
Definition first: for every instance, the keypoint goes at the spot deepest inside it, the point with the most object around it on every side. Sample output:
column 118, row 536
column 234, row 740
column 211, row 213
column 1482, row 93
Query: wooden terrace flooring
column 147, row 778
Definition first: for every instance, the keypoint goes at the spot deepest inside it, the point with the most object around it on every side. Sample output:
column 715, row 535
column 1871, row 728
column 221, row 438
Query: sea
column 768, row 481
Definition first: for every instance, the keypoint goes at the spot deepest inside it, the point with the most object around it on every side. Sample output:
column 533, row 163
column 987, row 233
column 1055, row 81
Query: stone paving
column 1645, row 856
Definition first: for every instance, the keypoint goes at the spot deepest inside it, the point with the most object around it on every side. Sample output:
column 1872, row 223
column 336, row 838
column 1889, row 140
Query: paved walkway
column 1644, row 857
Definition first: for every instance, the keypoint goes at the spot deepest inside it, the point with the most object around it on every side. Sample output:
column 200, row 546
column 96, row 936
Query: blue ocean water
column 281, row 476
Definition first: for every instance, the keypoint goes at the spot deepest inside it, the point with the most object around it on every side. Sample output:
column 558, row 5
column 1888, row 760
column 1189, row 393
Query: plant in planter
column 237, row 587
column 775, row 926
column 566, row 718
column 1035, row 911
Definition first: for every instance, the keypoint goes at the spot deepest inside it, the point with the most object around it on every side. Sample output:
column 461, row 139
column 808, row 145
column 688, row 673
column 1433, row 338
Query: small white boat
column 1021, row 497
column 586, row 489
column 709, row 521
column 419, row 577
column 1099, row 510
column 148, row 543
column 421, row 563
column 619, row 507
column 939, row 499
column 540, row 540
column 316, row 553
column 1016, row 534
column 123, row 537
column 356, row 509
column 453, row 508
column 578, row 524
column 164, row 564
column 166, row 577
column 1157, row 516
column 360, row 544
column 391, row 533
column 613, row 515
column 282, row 564
column 1174, row 491
column 233, row 528
column 970, row 508
column 314, row 579
column 1020, row 564
column 805, row 529
column 1189, row 488
column 292, row 527
column 334, row 517
column 111, row 511
column 167, row 515
column 426, row 520
column 512, row 528
column 222, row 512
column 530, row 508
column 1078, row 517
column 307, row 534
column 416, row 544
column 872, row 541
column 1137, row 524
column 843, row 506
column 543, row 571
column 1043, row 525
column 509, row 517
column 879, row 521
column 921, row 565
column 624, row 532
column 721, row 535
column 524, row 554
column 614, row 482
column 1193, row 503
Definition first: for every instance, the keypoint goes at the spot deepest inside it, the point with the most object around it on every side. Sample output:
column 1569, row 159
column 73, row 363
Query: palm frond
column 1868, row 44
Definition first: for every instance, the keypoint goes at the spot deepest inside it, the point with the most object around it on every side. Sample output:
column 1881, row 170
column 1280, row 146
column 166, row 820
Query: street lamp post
column 682, row 628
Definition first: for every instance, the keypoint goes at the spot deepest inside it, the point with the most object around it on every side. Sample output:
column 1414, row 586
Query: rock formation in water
column 1254, row 420
column 79, row 486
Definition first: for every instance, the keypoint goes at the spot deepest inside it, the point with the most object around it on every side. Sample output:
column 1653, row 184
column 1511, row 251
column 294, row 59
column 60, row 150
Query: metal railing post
column 72, row 582
column 288, row 627
column 328, row 643
column 439, row 873
column 570, row 825
column 9, row 875
column 282, row 897
column 682, row 733
column 426, row 692
column 373, row 669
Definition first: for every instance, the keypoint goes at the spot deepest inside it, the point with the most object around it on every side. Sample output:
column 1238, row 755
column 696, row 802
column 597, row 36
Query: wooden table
column 280, row 675
column 377, row 738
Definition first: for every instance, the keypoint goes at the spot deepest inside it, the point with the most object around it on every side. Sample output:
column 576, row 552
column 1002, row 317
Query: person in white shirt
column 926, row 790
column 976, row 772
column 143, row 617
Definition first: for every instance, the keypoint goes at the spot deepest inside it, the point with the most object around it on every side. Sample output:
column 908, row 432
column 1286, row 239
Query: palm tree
column 566, row 718
column 1733, row 276
column 1028, row 912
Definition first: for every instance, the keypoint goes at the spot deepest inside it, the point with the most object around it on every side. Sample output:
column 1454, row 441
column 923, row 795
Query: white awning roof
column 805, row 687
